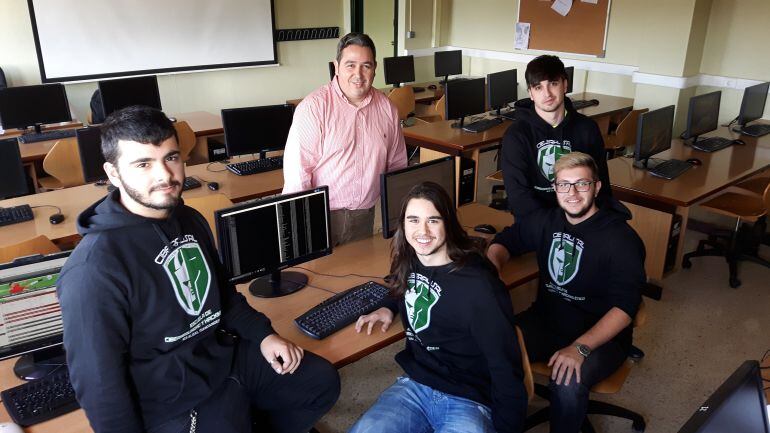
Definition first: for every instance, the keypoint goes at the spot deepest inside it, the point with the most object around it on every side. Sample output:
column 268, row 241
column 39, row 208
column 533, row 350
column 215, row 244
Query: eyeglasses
column 580, row 186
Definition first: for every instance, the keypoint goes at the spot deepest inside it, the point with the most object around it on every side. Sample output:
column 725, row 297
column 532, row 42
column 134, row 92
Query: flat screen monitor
column 501, row 89
column 395, row 185
column 399, row 70
column 125, row 92
column 703, row 114
column 25, row 106
column 13, row 181
column 464, row 98
column 753, row 103
column 653, row 134
column 264, row 236
column 30, row 317
column 91, row 157
column 570, row 70
column 447, row 63
column 251, row 130
column 738, row 405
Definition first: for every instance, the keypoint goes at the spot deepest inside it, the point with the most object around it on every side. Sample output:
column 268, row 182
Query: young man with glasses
column 591, row 275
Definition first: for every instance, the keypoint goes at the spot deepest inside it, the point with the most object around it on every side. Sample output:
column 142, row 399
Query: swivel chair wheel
column 638, row 427
column 686, row 264
column 735, row 283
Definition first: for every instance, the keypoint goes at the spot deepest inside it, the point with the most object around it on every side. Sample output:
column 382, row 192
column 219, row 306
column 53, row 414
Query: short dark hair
column 545, row 67
column 355, row 38
column 135, row 123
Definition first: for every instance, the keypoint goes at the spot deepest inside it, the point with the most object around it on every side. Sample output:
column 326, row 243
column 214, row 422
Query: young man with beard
column 462, row 359
column 546, row 127
column 145, row 303
column 591, row 275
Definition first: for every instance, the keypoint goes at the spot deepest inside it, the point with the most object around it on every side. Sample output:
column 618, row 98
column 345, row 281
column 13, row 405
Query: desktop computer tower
column 217, row 150
column 673, row 241
column 467, row 181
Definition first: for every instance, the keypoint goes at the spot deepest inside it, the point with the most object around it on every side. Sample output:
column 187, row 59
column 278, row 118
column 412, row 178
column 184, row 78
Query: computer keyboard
column 56, row 134
column 190, row 183
column 15, row 214
column 712, row 144
column 756, row 130
column 342, row 309
column 40, row 400
column 256, row 166
column 670, row 169
column 579, row 104
column 418, row 89
column 482, row 125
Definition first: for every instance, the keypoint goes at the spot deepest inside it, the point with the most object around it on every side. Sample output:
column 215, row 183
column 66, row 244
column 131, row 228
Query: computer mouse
column 485, row 228
column 694, row 161
column 595, row 101
column 432, row 87
column 213, row 186
column 738, row 141
column 56, row 218
column 9, row 427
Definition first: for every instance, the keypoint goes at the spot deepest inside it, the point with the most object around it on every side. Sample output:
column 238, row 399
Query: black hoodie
column 530, row 148
column 141, row 300
column 461, row 340
column 585, row 269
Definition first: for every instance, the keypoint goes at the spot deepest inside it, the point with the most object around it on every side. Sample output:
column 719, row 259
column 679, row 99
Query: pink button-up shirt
column 332, row 142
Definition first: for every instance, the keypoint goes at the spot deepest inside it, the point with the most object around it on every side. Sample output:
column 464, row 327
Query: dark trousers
column 289, row 403
column 569, row 403
column 350, row 225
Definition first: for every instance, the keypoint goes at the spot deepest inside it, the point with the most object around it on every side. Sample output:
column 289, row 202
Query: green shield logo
column 564, row 260
column 419, row 301
column 190, row 276
column 547, row 157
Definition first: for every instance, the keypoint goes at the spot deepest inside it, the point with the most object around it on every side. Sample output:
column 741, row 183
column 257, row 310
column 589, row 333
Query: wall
column 303, row 65
column 378, row 24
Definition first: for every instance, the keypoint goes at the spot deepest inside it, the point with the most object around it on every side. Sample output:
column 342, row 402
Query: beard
column 582, row 212
column 170, row 202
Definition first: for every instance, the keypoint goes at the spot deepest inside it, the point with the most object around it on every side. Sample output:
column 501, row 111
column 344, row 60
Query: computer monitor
column 332, row 71
column 464, row 98
column 702, row 115
column 25, row 106
column 125, row 92
column 501, row 89
column 13, row 181
column 653, row 134
column 738, row 405
column 447, row 63
column 395, row 185
column 260, row 130
column 264, row 236
column 30, row 317
column 570, row 70
column 753, row 103
column 91, row 157
column 399, row 70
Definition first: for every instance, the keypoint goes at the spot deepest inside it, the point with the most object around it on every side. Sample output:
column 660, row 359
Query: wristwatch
column 583, row 350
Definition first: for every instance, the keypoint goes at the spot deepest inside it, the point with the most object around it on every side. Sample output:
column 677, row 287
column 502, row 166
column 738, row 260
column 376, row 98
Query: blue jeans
column 410, row 407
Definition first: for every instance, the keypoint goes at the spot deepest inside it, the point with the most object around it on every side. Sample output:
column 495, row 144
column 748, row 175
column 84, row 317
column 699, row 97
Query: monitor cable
column 58, row 209
column 208, row 166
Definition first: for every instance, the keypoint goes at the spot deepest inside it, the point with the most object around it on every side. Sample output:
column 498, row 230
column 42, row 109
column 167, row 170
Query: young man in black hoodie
column 546, row 127
column 145, row 303
column 462, row 359
column 591, row 275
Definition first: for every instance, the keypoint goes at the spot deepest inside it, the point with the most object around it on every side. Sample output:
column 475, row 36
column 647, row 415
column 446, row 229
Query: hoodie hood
column 109, row 214
column 525, row 109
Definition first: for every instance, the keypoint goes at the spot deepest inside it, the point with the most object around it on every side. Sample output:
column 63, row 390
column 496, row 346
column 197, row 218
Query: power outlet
column 410, row 35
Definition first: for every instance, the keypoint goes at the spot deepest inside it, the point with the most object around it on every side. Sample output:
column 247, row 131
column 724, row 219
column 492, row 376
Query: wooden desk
column 611, row 109
column 371, row 257
column 653, row 201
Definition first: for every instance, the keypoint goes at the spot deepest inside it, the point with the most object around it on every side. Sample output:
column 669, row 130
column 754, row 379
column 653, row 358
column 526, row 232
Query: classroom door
column 379, row 22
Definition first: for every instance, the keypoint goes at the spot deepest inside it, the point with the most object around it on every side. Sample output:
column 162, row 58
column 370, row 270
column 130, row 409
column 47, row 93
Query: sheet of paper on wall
column 562, row 7
column 521, row 42
column 593, row 2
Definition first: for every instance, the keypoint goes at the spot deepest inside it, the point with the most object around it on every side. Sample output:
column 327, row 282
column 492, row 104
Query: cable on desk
column 58, row 209
column 337, row 276
column 208, row 166
column 416, row 148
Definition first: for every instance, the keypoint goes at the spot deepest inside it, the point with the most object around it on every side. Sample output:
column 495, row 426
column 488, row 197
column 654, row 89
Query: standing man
column 546, row 127
column 344, row 135
column 157, row 340
column 591, row 275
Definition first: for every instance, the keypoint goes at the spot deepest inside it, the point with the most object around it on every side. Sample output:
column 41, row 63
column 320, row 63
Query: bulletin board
column 582, row 31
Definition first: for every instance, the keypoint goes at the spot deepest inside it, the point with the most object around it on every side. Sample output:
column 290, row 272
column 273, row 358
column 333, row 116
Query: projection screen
column 91, row 39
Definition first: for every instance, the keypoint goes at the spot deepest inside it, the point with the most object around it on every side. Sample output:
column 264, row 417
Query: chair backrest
column 766, row 197
column 207, row 204
column 529, row 380
column 63, row 163
column 625, row 135
column 440, row 107
column 403, row 99
column 186, row 139
column 36, row 245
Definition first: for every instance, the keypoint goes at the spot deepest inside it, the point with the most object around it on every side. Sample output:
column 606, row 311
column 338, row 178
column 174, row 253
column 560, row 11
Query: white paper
column 521, row 42
column 593, row 2
column 562, row 7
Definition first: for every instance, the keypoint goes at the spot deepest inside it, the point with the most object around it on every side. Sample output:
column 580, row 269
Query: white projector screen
column 91, row 39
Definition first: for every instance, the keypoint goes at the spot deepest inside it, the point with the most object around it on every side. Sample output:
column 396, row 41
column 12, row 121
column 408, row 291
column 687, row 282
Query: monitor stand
column 39, row 364
column 278, row 284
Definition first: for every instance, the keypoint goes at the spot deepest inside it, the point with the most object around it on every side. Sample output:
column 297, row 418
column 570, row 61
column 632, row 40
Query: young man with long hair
column 462, row 359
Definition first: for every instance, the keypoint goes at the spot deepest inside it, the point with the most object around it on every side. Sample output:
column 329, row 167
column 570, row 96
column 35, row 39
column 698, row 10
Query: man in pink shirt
column 344, row 135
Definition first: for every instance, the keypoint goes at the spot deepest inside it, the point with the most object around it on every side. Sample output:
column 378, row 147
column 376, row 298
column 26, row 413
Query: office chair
column 743, row 242
column 63, row 165
column 610, row 385
column 625, row 134
column 3, row 82
column 403, row 99
column 37, row 245
column 96, row 115
column 434, row 112
column 186, row 138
